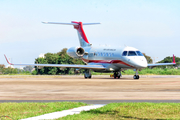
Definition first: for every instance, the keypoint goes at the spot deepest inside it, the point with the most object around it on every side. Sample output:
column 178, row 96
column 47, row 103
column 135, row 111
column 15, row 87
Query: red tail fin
column 174, row 59
column 79, row 28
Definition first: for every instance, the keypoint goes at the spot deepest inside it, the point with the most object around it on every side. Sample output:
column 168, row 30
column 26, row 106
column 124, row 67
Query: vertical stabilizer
column 81, row 34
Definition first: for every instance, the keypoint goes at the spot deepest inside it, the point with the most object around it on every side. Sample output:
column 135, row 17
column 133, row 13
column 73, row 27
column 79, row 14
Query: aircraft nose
column 142, row 63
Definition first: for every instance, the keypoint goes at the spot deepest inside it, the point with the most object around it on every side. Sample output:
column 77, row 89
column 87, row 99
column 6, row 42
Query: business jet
column 102, row 59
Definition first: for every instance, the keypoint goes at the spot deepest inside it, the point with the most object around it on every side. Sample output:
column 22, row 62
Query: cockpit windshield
column 132, row 53
column 124, row 53
column 139, row 53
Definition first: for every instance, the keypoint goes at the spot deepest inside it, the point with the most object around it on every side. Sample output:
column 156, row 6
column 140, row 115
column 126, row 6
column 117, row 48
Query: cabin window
column 124, row 53
column 139, row 53
column 103, row 54
column 132, row 53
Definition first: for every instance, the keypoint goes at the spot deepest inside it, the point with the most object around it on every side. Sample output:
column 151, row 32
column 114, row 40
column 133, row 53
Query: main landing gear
column 136, row 76
column 117, row 75
column 87, row 74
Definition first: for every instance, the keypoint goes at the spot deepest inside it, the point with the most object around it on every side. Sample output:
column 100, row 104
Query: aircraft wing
column 160, row 64
column 97, row 67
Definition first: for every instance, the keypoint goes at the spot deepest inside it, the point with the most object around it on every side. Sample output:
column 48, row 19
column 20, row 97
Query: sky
column 152, row 26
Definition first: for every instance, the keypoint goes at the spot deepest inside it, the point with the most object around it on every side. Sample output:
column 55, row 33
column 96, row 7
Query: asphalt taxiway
column 98, row 90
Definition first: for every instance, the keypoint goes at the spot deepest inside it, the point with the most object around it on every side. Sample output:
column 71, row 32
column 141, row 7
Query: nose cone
column 139, row 62
column 142, row 62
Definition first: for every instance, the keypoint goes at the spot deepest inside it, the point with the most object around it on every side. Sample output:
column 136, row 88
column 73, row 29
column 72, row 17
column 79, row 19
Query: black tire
column 90, row 76
column 115, row 75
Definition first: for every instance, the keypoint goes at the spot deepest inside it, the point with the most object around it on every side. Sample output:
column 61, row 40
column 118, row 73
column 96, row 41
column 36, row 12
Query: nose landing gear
column 136, row 76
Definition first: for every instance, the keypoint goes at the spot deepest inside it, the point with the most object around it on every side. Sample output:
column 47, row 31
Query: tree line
column 9, row 70
column 57, row 58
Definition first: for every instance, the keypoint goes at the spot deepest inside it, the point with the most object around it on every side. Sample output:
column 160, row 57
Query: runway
column 98, row 90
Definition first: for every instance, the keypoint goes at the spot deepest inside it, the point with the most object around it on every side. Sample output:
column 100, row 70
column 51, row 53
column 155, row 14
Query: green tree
column 40, row 70
column 56, row 58
column 148, row 58
column 2, row 68
column 170, row 60
column 28, row 68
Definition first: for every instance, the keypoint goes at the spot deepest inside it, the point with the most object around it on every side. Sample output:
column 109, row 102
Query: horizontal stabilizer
column 69, row 23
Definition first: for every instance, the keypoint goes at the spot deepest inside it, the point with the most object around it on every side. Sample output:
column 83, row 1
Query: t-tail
column 79, row 27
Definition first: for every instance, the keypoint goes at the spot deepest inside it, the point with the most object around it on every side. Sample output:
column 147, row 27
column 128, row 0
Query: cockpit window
column 132, row 53
column 124, row 53
column 139, row 53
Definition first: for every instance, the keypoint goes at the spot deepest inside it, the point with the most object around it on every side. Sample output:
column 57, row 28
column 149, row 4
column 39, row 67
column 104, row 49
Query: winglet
column 7, row 60
column 174, row 59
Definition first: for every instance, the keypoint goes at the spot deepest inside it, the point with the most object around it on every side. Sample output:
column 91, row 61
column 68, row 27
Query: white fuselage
column 114, row 59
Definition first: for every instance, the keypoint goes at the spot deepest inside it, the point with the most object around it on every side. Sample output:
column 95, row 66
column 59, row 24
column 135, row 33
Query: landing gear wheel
column 136, row 76
column 90, row 76
column 114, row 76
column 87, row 74
column 117, row 75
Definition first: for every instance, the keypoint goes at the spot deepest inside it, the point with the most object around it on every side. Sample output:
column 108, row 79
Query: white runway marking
column 63, row 113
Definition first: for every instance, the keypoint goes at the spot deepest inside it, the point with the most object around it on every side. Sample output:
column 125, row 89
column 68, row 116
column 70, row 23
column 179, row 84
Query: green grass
column 25, row 110
column 113, row 111
column 130, row 111
column 147, row 71
column 18, row 74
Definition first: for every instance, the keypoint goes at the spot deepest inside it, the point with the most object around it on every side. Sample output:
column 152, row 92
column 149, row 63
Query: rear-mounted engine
column 76, row 52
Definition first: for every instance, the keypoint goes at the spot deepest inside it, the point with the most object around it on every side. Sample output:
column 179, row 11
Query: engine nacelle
column 76, row 52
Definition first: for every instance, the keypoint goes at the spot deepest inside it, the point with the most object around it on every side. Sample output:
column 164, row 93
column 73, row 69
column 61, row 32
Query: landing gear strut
column 87, row 74
column 117, row 75
column 136, row 76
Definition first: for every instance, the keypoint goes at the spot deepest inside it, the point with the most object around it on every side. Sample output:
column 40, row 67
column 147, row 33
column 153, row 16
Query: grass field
column 113, row 111
column 147, row 71
column 25, row 110
column 130, row 111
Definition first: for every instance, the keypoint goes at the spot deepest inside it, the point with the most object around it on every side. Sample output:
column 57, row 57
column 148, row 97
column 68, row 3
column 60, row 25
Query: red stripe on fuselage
column 80, row 30
column 106, row 61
